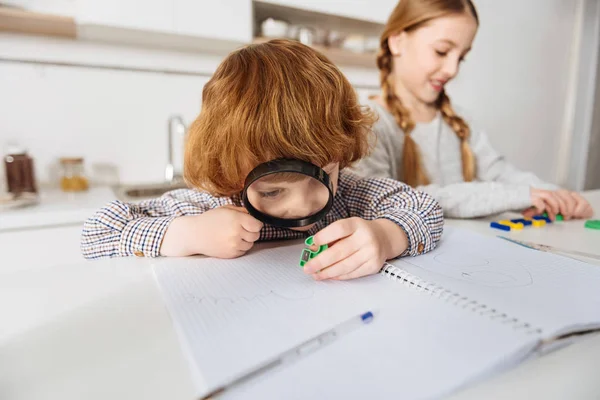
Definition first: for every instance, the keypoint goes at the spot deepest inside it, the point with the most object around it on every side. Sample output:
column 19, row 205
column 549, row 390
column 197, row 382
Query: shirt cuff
column 143, row 237
column 417, row 231
column 518, row 198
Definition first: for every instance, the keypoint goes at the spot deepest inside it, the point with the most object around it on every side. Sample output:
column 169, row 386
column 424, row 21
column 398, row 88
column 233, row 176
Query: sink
column 173, row 175
column 146, row 191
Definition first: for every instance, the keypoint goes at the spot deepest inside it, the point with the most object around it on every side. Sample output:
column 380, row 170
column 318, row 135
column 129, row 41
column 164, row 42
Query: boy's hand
column 357, row 247
column 224, row 232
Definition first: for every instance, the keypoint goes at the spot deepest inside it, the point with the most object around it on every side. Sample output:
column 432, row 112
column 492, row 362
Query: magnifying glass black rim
column 287, row 165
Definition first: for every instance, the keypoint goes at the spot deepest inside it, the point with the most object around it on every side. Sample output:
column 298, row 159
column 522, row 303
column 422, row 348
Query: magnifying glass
column 288, row 193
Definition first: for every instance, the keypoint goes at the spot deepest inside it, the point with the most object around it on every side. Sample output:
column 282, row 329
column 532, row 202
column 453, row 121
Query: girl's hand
column 357, row 247
column 583, row 209
column 224, row 232
column 569, row 204
column 543, row 201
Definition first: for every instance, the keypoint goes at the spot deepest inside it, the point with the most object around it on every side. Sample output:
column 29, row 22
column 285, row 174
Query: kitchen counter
column 56, row 208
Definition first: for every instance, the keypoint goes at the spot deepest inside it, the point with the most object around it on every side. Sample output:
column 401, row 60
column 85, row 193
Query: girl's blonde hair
column 408, row 16
column 279, row 99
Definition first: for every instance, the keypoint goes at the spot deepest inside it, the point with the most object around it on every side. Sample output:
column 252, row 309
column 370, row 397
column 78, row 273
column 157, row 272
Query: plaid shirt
column 122, row 229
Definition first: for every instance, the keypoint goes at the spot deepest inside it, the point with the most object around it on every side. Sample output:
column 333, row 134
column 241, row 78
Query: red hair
column 279, row 99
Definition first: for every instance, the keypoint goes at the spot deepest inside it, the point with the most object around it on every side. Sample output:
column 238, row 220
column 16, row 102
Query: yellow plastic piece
column 515, row 226
column 538, row 223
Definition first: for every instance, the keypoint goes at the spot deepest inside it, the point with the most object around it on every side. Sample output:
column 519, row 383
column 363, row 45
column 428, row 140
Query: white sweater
column 499, row 186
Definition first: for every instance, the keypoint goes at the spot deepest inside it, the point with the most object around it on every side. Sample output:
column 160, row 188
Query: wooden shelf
column 341, row 57
column 264, row 9
column 21, row 21
column 155, row 39
column 28, row 22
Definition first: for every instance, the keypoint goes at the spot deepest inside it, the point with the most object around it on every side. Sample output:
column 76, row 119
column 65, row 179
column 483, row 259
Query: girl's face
column 294, row 198
column 427, row 58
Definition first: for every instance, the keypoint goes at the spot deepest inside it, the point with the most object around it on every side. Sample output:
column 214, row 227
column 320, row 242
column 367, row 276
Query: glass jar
column 20, row 177
column 73, row 178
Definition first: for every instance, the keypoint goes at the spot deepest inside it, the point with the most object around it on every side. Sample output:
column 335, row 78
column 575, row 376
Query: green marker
column 307, row 254
column 593, row 224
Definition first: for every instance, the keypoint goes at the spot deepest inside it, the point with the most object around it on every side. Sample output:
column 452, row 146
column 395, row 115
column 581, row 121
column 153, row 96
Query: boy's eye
column 441, row 53
column 270, row 194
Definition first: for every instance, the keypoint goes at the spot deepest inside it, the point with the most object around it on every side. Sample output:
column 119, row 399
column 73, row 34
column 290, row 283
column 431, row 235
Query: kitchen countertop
column 56, row 208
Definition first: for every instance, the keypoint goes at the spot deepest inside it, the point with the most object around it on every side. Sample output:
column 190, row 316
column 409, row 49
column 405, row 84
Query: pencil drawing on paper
column 477, row 269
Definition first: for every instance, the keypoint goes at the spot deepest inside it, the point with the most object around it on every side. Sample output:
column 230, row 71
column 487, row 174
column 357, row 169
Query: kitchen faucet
column 175, row 125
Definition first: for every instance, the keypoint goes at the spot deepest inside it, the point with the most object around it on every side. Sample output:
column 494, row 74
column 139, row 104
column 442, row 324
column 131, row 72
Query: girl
column 422, row 141
column 271, row 101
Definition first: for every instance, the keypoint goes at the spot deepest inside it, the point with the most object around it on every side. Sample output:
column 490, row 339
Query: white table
column 99, row 330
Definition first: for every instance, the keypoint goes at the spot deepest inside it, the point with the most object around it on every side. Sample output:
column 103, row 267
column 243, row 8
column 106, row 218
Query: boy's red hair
column 279, row 99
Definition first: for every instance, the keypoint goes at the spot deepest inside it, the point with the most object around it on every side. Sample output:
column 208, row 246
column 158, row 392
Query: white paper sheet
column 232, row 315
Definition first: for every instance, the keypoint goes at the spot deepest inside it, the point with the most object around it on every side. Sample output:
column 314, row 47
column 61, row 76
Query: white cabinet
column 375, row 10
column 39, row 248
column 223, row 19
column 65, row 8
column 149, row 15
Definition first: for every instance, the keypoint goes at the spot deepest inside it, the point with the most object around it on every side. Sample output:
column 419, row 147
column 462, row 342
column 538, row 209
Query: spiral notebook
column 470, row 309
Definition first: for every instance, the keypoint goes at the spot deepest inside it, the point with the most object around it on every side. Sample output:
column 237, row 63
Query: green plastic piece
column 308, row 254
column 593, row 224
column 559, row 217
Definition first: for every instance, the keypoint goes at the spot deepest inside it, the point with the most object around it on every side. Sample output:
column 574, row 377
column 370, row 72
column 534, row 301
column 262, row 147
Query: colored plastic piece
column 592, row 224
column 512, row 225
column 497, row 225
column 542, row 218
column 525, row 222
column 308, row 254
column 559, row 217
column 538, row 223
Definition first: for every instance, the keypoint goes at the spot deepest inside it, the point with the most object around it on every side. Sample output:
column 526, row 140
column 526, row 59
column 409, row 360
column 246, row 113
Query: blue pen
column 297, row 352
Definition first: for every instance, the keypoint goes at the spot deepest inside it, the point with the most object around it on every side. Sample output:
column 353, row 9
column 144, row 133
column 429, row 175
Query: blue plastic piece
column 499, row 226
column 542, row 218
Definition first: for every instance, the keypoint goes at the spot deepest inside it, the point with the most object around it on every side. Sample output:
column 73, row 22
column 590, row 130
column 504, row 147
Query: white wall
column 109, row 117
column 112, row 118
column 515, row 81
column 115, row 118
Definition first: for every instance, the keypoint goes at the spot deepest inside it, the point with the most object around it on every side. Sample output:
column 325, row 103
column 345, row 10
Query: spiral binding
column 394, row 273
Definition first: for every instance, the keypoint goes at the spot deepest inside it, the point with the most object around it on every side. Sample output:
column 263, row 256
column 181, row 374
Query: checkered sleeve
column 416, row 212
column 123, row 229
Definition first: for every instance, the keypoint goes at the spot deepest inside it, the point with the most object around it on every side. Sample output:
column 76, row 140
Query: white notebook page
column 550, row 292
column 231, row 315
